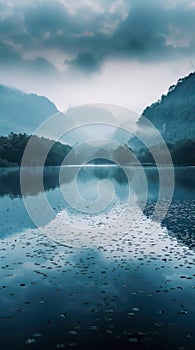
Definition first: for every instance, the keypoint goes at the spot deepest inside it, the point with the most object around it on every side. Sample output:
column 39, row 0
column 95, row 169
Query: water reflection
column 10, row 179
column 179, row 219
column 134, row 290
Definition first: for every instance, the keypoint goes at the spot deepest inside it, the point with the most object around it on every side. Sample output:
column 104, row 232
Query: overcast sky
column 125, row 52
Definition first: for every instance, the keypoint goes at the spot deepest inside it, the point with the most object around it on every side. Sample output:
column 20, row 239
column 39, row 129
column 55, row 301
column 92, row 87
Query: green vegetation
column 182, row 153
column 12, row 148
column 174, row 114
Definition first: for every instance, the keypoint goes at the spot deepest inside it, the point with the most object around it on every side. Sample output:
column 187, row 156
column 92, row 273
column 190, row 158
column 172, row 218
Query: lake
column 101, row 270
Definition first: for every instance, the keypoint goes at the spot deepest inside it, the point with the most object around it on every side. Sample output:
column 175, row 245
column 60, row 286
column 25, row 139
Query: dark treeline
column 12, row 148
column 182, row 153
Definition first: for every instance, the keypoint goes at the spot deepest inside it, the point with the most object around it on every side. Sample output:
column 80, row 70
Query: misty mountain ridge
column 21, row 112
column 174, row 114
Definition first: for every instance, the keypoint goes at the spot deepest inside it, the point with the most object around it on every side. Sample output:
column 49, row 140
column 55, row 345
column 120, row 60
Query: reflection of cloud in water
column 136, row 281
column 179, row 219
column 136, row 237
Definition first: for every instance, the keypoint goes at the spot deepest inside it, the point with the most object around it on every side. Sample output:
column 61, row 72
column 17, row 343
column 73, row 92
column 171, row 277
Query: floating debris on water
column 104, row 285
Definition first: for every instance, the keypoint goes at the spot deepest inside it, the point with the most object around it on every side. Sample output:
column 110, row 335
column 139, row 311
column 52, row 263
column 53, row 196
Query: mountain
column 21, row 112
column 174, row 114
column 174, row 117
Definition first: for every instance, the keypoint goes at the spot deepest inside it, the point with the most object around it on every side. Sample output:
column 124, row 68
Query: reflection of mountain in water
column 10, row 178
column 10, row 181
column 179, row 219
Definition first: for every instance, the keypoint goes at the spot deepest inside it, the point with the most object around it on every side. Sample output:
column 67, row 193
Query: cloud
column 86, row 62
column 85, row 33
column 41, row 65
column 46, row 18
column 9, row 25
column 23, row 40
column 8, row 54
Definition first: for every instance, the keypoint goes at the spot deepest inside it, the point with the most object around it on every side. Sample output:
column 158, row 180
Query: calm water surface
column 127, row 286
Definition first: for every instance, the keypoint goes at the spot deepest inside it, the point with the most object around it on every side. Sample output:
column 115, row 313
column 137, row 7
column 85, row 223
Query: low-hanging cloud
column 86, row 33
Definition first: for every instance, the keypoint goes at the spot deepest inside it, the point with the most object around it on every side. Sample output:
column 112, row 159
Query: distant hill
column 174, row 117
column 21, row 112
column 174, row 114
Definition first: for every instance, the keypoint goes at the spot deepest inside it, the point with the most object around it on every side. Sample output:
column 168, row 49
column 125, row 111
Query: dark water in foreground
column 127, row 286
